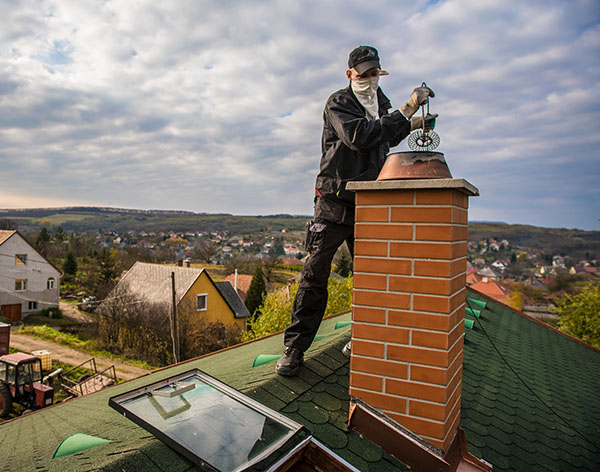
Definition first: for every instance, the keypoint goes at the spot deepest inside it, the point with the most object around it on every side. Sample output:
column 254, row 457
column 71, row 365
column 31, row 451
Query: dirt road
column 71, row 356
column 71, row 311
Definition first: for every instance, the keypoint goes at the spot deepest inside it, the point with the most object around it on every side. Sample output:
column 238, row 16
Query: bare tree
column 205, row 250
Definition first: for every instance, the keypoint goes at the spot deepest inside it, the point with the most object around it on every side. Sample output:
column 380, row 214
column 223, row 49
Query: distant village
column 527, row 281
column 214, row 247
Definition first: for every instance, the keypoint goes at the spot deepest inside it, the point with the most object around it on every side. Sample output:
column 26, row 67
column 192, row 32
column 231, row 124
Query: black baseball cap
column 364, row 58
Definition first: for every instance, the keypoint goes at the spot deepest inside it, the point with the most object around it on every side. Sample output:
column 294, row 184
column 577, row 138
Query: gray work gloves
column 418, row 98
column 416, row 122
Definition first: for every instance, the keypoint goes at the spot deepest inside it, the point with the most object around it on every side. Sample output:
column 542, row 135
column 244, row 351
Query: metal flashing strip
column 409, row 448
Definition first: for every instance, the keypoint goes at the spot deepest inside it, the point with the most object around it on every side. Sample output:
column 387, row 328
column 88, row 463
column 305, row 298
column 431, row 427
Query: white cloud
column 216, row 106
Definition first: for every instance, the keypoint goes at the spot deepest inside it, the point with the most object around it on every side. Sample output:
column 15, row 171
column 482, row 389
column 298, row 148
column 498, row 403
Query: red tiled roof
column 243, row 283
column 490, row 288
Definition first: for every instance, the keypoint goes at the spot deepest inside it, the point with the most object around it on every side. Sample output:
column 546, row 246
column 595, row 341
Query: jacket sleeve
column 361, row 134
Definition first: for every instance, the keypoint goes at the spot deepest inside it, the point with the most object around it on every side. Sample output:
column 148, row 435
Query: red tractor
column 21, row 382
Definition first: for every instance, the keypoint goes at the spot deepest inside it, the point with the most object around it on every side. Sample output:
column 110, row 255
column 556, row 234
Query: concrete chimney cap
column 415, row 184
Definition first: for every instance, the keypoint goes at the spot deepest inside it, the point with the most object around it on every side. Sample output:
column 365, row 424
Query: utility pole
column 174, row 331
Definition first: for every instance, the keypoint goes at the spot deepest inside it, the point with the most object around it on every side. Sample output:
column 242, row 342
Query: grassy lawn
column 73, row 342
column 37, row 319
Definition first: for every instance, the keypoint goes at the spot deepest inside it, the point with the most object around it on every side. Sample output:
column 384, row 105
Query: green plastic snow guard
column 265, row 359
column 77, row 442
column 477, row 302
column 341, row 324
column 474, row 313
column 469, row 324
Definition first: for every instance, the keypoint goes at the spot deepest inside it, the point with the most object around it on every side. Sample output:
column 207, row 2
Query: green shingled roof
column 504, row 422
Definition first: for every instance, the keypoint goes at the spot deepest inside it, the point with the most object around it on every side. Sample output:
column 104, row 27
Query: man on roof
column 358, row 131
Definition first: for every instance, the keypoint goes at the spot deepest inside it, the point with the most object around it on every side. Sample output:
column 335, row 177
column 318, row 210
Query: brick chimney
column 409, row 302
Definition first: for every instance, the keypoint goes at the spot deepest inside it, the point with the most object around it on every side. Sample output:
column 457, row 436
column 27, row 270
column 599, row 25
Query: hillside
column 576, row 243
column 94, row 219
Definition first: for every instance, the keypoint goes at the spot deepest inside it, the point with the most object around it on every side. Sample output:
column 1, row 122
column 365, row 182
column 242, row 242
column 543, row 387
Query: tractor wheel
column 5, row 400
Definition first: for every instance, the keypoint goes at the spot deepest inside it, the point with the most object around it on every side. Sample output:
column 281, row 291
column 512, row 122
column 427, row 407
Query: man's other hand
column 416, row 122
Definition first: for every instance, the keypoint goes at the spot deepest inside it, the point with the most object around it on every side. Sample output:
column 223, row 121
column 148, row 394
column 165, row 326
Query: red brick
column 367, row 348
column 420, row 426
column 391, row 369
column 420, row 215
column 382, row 266
column 435, row 411
column 436, row 375
column 381, row 299
column 419, row 320
column 370, row 315
column 450, row 427
column 419, row 285
column 377, row 282
column 429, row 374
column 440, row 268
column 440, row 233
column 364, row 381
column 383, row 231
column 460, row 216
column 370, row 248
column 380, row 400
column 429, row 339
column 435, row 338
column 438, row 304
column 434, row 393
column 433, row 357
column 385, row 197
column 380, row 333
column 459, row 250
column 458, row 283
column 375, row 214
column 422, row 250
column 442, row 197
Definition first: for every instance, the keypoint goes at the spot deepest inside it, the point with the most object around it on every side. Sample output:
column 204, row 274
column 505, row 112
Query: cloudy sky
column 215, row 106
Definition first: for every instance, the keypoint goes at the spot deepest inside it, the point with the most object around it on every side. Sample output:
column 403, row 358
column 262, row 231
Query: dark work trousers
column 311, row 298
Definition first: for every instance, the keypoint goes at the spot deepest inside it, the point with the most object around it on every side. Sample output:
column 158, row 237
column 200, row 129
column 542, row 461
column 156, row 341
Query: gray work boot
column 290, row 362
column 347, row 350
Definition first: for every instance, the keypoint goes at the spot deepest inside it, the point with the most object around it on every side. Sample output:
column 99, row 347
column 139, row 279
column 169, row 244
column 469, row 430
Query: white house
column 28, row 281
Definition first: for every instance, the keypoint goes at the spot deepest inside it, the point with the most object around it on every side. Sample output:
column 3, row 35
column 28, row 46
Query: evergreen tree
column 42, row 241
column 70, row 264
column 60, row 235
column 256, row 291
column 344, row 265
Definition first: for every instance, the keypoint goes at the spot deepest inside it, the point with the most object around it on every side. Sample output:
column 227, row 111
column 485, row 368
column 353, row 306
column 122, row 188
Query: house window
column 20, row 284
column 50, row 283
column 201, row 302
column 21, row 259
column 32, row 305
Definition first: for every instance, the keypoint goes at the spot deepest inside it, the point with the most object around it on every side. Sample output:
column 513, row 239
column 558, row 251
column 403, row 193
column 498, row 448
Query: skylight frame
column 118, row 403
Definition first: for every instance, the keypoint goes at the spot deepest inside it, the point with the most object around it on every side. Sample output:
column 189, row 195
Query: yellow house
column 194, row 291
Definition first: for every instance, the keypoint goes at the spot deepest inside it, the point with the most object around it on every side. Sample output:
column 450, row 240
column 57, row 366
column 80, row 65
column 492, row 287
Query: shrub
column 53, row 312
column 580, row 314
column 276, row 310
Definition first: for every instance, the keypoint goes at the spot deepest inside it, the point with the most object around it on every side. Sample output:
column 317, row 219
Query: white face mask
column 365, row 90
column 366, row 85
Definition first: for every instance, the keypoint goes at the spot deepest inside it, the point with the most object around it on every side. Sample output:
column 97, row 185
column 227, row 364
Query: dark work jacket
column 353, row 148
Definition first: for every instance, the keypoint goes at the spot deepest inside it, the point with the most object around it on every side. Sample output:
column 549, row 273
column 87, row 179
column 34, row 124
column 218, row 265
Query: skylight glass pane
column 214, row 423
